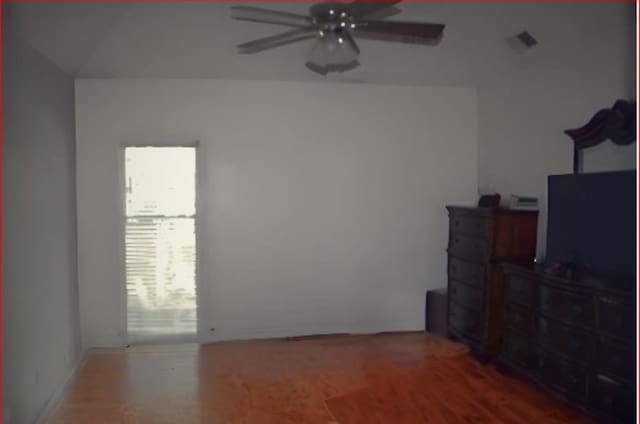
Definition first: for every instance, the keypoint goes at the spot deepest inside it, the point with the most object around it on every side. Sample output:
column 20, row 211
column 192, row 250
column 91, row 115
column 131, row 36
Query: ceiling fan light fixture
column 324, row 70
column 333, row 53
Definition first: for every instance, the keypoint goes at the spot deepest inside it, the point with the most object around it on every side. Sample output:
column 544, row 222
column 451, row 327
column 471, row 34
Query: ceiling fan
column 335, row 27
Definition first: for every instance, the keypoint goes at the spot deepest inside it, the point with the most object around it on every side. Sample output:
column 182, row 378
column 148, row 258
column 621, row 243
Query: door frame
column 200, row 290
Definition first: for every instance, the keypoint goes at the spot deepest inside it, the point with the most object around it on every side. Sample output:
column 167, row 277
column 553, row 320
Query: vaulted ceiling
column 197, row 40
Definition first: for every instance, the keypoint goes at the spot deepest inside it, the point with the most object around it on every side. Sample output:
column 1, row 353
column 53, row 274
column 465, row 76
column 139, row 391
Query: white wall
column 40, row 310
column 559, row 84
column 323, row 204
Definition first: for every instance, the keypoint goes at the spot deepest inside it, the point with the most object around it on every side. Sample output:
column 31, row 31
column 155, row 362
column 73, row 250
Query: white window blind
column 160, row 243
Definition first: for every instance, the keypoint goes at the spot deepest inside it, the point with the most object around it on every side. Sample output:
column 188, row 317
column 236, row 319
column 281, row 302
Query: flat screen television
column 592, row 223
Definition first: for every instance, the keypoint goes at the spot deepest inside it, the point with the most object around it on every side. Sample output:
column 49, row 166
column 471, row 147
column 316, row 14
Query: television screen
column 592, row 223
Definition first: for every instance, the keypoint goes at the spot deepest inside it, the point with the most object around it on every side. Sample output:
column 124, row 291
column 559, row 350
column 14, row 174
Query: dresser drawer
column 613, row 398
column 616, row 316
column 562, row 375
column 519, row 318
column 616, row 359
column 470, row 225
column 471, row 249
column 574, row 308
column 521, row 290
column 466, row 272
column 561, row 339
column 465, row 321
column 517, row 348
column 464, row 295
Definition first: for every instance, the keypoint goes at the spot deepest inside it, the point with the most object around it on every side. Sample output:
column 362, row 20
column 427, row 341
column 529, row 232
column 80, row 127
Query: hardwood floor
column 389, row 378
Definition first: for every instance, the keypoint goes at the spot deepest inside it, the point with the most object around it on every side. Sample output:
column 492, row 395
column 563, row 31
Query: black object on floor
column 436, row 312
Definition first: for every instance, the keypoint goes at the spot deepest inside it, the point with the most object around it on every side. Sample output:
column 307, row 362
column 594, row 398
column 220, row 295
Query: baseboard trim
column 58, row 395
column 238, row 334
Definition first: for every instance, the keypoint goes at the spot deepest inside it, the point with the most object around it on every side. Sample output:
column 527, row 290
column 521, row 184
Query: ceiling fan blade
column 404, row 32
column 361, row 9
column 256, row 14
column 384, row 13
column 278, row 40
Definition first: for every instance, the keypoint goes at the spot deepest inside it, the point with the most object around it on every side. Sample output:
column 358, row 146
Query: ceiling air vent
column 522, row 41
column 527, row 39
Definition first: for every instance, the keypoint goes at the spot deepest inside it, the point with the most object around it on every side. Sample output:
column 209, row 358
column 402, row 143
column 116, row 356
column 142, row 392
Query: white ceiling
column 197, row 40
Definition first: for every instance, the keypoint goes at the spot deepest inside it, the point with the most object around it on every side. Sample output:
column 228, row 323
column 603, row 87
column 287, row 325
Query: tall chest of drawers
column 479, row 239
column 574, row 337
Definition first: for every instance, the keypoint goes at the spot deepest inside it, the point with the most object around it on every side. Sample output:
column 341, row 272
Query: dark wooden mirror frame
column 617, row 124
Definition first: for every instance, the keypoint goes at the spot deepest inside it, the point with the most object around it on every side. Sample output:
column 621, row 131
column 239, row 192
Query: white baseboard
column 250, row 333
column 268, row 333
column 58, row 395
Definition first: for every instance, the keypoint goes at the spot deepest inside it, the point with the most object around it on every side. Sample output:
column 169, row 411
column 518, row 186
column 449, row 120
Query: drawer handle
column 610, row 300
column 605, row 379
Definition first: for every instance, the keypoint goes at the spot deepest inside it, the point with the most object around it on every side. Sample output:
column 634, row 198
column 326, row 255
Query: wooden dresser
column 479, row 238
column 573, row 336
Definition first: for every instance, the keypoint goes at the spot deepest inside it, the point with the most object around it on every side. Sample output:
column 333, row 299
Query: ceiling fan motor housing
column 333, row 17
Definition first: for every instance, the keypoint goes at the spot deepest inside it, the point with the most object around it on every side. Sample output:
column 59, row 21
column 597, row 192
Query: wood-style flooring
column 387, row 379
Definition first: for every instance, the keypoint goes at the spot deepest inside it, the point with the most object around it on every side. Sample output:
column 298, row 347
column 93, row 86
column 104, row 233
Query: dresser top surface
column 579, row 279
column 488, row 210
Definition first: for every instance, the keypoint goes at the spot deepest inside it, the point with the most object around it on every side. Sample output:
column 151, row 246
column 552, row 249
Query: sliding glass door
column 160, row 243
